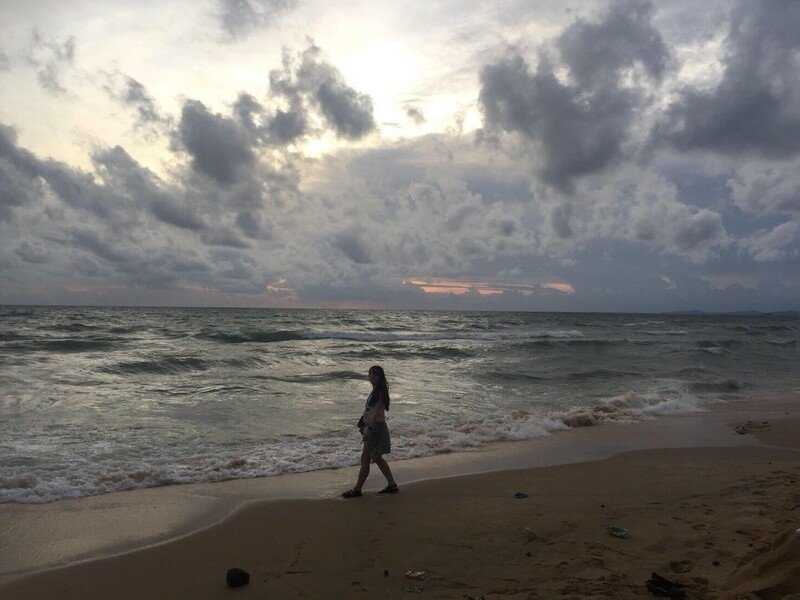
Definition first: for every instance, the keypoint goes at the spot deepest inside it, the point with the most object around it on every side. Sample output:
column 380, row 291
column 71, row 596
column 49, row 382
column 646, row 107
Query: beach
column 705, row 505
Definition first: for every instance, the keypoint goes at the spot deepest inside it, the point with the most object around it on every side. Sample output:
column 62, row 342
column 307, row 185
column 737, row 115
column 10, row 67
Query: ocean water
column 95, row 400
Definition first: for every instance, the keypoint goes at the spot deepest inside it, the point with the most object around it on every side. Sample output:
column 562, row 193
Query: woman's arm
column 373, row 415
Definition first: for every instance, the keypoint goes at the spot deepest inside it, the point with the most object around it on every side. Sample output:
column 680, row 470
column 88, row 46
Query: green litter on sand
column 618, row 531
column 520, row 495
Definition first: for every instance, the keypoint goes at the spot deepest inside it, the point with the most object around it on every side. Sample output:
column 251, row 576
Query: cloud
column 287, row 126
column 247, row 110
column 220, row 148
column 134, row 95
column 5, row 65
column 349, row 112
column 754, row 108
column 447, row 215
column 16, row 187
column 352, row 246
column 122, row 225
column 779, row 243
column 50, row 58
column 767, row 187
column 120, row 172
column 307, row 95
column 238, row 18
column 580, row 124
column 309, row 83
column 415, row 114
column 252, row 224
column 631, row 205
column 33, row 252
column 596, row 52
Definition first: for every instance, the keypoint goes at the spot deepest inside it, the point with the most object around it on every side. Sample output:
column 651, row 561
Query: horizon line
column 385, row 309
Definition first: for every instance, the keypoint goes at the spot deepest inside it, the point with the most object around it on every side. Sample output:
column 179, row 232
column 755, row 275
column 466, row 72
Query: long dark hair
column 381, row 388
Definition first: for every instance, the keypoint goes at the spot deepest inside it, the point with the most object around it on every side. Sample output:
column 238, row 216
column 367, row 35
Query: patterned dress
column 380, row 442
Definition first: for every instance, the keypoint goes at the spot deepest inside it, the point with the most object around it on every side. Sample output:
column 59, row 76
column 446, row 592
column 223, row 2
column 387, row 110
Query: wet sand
column 705, row 506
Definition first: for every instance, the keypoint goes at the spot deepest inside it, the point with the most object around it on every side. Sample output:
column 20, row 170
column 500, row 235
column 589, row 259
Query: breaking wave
column 293, row 453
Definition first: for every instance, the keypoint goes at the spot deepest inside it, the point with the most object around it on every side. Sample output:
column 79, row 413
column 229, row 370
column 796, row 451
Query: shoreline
column 42, row 537
column 719, row 519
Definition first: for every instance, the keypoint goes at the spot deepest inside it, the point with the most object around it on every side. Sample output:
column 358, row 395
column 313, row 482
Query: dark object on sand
column 661, row 586
column 618, row 531
column 750, row 426
column 520, row 495
column 386, row 572
column 237, row 577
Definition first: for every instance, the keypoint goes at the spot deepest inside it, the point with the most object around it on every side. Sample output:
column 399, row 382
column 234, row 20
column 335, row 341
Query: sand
column 720, row 519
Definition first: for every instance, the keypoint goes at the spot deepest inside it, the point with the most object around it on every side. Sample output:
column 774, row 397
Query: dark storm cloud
column 17, row 187
column 352, row 246
column 122, row 225
column 122, row 173
column 277, row 127
column 596, row 52
column 170, row 211
column 50, row 58
column 305, row 95
column 696, row 231
column 253, row 225
column 218, row 145
column 415, row 115
column 247, row 110
column 126, row 188
column 133, row 94
column 580, row 125
column 88, row 239
column 755, row 107
column 32, row 252
column 224, row 236
column 286, row 126
column 347, row 112
column 22, row 175
column 241, row 17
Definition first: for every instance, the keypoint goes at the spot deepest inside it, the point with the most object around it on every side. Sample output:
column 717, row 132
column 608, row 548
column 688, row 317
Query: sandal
column 389, row 489
column 351, row 494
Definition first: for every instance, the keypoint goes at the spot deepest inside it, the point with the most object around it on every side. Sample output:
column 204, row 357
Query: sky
column 622, row 156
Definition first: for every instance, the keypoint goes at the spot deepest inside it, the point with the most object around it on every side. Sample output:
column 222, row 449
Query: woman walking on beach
column 375, row 434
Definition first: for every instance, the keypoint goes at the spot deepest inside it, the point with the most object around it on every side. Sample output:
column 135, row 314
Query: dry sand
column 721, row 520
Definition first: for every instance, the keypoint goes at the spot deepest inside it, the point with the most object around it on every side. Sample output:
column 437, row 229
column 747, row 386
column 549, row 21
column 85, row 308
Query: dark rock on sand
column 237, row 577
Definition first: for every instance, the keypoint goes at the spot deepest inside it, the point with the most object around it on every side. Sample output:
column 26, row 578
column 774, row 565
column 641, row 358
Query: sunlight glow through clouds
column 279, row 288
column 483, row 288
column 564, row 288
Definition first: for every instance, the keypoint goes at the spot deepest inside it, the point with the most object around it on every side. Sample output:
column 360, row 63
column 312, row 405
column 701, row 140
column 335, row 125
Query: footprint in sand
column 681, row 566
column 360, row 589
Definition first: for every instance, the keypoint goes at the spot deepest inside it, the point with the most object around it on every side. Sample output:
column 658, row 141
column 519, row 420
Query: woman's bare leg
column 364, row 472
column 384, row 467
